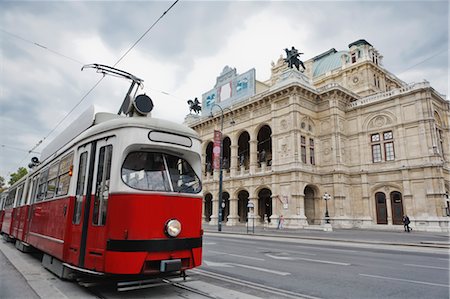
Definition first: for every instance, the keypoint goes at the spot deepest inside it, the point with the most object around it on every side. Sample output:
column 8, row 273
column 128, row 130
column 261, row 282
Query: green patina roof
column 327, row 61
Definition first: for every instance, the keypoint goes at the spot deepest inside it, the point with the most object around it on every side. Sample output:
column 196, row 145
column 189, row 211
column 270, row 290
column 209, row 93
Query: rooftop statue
column 293, row 59
column 194, row 105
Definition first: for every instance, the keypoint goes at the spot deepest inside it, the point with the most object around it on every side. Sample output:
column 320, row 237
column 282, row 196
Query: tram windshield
column 159, row 172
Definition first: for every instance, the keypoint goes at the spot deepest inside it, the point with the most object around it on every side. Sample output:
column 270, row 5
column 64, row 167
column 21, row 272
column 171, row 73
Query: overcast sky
column 180, row 58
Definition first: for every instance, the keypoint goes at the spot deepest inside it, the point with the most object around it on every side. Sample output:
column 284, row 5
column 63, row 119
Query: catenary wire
column 98, row 82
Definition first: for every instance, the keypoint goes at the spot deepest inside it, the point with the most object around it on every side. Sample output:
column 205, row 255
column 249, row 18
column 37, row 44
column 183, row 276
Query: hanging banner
column 216, row 149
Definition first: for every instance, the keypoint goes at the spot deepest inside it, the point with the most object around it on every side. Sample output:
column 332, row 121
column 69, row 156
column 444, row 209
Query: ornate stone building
column 345, row 126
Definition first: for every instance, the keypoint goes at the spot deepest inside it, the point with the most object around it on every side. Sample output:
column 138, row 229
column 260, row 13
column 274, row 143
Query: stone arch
column 244, row 149
column 379, row 120
column 264, row 145
column 397, row 207
column 243, row 198
column 437, row 119
column 264, row 203
column 208, row 206
column 226, row 146
column 311, row 194
column 226, row 206
column 208, row 150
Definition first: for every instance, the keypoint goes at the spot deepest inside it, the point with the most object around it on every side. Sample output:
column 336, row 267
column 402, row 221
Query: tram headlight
column 173, row 228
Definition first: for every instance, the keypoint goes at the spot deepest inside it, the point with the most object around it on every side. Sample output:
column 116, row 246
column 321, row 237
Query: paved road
column 324, row 269
column 274, row 264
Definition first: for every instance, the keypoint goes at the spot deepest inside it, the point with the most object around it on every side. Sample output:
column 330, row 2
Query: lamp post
column 219, row 218
column 326, row 197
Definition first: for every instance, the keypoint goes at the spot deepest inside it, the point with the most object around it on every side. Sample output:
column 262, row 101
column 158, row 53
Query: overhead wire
column 41, row 46
column 98, row 82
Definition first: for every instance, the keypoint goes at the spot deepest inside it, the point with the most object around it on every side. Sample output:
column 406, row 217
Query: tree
column 14, row 177
column 2, row 183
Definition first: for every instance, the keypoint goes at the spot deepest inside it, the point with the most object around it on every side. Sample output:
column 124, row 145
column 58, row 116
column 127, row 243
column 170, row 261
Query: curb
column 427, row 244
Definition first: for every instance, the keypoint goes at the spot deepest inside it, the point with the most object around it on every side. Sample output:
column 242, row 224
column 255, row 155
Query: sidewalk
column 423, row 239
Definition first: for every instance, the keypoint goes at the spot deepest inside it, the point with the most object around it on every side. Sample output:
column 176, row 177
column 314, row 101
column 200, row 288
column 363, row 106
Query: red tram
column 112, row 195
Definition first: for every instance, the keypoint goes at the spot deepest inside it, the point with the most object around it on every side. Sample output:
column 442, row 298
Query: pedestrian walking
column 406, row 223
column 280, row 222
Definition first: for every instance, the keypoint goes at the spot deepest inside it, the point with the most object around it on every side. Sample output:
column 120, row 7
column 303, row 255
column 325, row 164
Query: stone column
column 234, row 161
column 233, row 218
column 298, row 218
column 253, row 156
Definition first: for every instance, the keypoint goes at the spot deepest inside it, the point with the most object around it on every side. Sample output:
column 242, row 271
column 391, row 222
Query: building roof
column 327, row 61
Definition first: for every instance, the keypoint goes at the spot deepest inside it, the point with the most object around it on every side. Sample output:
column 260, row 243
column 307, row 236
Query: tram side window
column 65, row 167
column 10, row 199
column 42, row 187
column 51, row 183
column 20, row 196
column 81, row 180
column 102, row 185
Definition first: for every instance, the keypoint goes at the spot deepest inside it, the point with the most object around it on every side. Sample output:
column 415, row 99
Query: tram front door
column 88, row 242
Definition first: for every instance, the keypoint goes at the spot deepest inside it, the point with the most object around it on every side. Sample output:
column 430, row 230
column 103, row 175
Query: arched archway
column 209, row 157
column 208, row 207
column 244, row 150
column 226, row 206
column 242, row 205
column 226, row 153
column 265, row 145
column 310, row 209
column 397, row 207
column 265, row 204
column 381, row 208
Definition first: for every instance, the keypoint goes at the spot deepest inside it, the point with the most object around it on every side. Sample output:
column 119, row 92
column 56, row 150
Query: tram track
column 271, row 291
column 105, row 289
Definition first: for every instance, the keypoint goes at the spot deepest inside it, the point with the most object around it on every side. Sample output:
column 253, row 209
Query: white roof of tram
column 103, row 121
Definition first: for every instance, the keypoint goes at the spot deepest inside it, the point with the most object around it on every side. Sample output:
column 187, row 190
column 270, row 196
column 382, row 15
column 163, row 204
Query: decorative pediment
column 380, row 120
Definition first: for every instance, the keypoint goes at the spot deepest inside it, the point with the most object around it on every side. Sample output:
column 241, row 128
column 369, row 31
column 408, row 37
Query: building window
column 353, row 57
column 311, row 151
column 376, row 153
column 387, row 143
column 303, row 148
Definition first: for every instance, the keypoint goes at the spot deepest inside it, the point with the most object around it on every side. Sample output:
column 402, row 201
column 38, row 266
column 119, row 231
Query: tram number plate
column 170, row 265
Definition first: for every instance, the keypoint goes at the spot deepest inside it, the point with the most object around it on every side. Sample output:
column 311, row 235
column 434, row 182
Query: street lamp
column 219, row 219
column 326, row 197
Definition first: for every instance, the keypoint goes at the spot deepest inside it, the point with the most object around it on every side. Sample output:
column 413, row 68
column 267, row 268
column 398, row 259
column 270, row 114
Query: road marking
column 290, row 251
column 425, row 266
column 209, row 243
column 407, row 280
column 215, row 264
column 323, row 261
column 237, row 255
column 262, row 269
column 252, row 285
column 228, row 265
column 286, row 258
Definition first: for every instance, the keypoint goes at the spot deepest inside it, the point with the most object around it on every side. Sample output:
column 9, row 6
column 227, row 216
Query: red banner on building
column 216, row 149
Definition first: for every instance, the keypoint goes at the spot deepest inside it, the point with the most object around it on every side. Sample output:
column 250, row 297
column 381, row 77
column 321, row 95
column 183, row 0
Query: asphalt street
column 323, row 269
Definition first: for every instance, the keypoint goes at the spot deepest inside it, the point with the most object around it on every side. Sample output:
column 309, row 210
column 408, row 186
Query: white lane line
column 407, row 280
column 209, row 243
column 261, row 269
column 323, row 261
column 237, row 255
column 289, row 251
column 215, row 264
column 425, row 266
